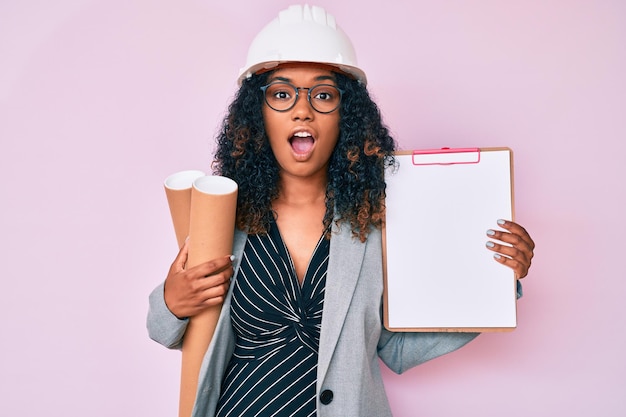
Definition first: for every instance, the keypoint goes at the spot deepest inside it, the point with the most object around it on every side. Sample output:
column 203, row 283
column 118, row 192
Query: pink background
column 101, row 100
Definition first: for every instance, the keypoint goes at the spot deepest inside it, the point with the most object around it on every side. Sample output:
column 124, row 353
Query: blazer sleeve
column 403, row 351
column 163, row 326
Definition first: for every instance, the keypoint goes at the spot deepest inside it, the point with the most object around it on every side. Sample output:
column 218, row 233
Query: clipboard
column 438, row 275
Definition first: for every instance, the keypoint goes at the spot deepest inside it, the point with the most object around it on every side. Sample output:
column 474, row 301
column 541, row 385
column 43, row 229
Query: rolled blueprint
column 211, row 231
column 178, row 192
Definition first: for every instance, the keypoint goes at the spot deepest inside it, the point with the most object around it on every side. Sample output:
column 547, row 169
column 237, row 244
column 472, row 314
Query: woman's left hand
column 519, row 254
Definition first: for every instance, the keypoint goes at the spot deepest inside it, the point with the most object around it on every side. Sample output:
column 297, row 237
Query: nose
column 302, row 109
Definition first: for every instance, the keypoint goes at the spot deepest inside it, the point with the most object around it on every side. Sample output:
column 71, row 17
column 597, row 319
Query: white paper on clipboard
column 438, row 274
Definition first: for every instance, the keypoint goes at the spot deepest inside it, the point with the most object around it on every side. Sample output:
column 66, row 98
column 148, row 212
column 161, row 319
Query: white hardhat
column 302, row 34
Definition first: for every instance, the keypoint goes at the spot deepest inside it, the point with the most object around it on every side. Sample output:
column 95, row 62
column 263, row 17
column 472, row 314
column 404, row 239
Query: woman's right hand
column 191, row 291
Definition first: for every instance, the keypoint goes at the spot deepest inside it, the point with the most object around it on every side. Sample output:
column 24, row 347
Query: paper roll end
column 215, row 185
column 182, row 180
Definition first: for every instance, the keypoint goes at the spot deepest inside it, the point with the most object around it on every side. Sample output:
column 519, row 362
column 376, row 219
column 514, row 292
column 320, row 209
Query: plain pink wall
column 101, row 100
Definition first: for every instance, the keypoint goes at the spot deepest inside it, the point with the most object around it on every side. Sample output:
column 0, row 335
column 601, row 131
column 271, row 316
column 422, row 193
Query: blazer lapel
column 346, row 256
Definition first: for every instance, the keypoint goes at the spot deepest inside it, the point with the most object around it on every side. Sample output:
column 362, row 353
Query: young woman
column 300, row 331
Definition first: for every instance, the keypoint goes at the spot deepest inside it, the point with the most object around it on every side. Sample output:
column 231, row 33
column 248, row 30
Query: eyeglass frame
column 308, row 95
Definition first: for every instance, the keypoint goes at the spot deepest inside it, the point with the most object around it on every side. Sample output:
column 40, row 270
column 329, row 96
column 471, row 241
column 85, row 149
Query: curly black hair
column 356, row 185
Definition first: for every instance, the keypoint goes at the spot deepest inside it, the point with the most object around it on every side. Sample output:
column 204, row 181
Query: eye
column 325, row 93
column 280, row 92
column 281, row 95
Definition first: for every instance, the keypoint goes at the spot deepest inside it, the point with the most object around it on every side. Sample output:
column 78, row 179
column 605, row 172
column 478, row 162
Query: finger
column 209, row 274
column 520, row 269
column 214, row 266
column 215, row 295
column 199, row 300
column 511, row 257
column 518, row 231
column 510, row 251
column 513, row 240
column 205, row 284
column 181, row 258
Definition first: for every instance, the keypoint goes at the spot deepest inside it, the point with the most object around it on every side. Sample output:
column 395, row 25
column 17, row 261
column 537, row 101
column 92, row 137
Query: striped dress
column 277, row 322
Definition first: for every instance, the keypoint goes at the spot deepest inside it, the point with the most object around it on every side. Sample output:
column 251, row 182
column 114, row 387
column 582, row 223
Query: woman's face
column 302, row 139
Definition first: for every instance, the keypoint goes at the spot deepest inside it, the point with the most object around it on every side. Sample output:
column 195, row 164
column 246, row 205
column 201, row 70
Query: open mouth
column 302, row 142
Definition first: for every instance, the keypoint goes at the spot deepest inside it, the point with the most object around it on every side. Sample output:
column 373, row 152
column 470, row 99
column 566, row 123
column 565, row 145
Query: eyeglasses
column 282, row 96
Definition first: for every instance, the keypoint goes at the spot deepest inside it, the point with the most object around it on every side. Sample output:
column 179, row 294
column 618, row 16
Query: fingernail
column 497, row 257
column 491, row 232
column 490, row 244
column 232, row 258
column 501, row 222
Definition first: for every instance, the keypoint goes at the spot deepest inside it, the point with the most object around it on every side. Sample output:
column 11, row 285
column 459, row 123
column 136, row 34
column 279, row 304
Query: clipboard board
column 438, row 275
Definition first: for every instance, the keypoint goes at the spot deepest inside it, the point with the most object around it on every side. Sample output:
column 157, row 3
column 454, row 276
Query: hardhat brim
column 266, row 66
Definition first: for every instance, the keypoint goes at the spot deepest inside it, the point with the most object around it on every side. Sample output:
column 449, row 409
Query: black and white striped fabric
column 277, row 325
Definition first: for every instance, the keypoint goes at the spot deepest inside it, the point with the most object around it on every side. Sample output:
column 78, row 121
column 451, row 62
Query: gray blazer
column 349, row 382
